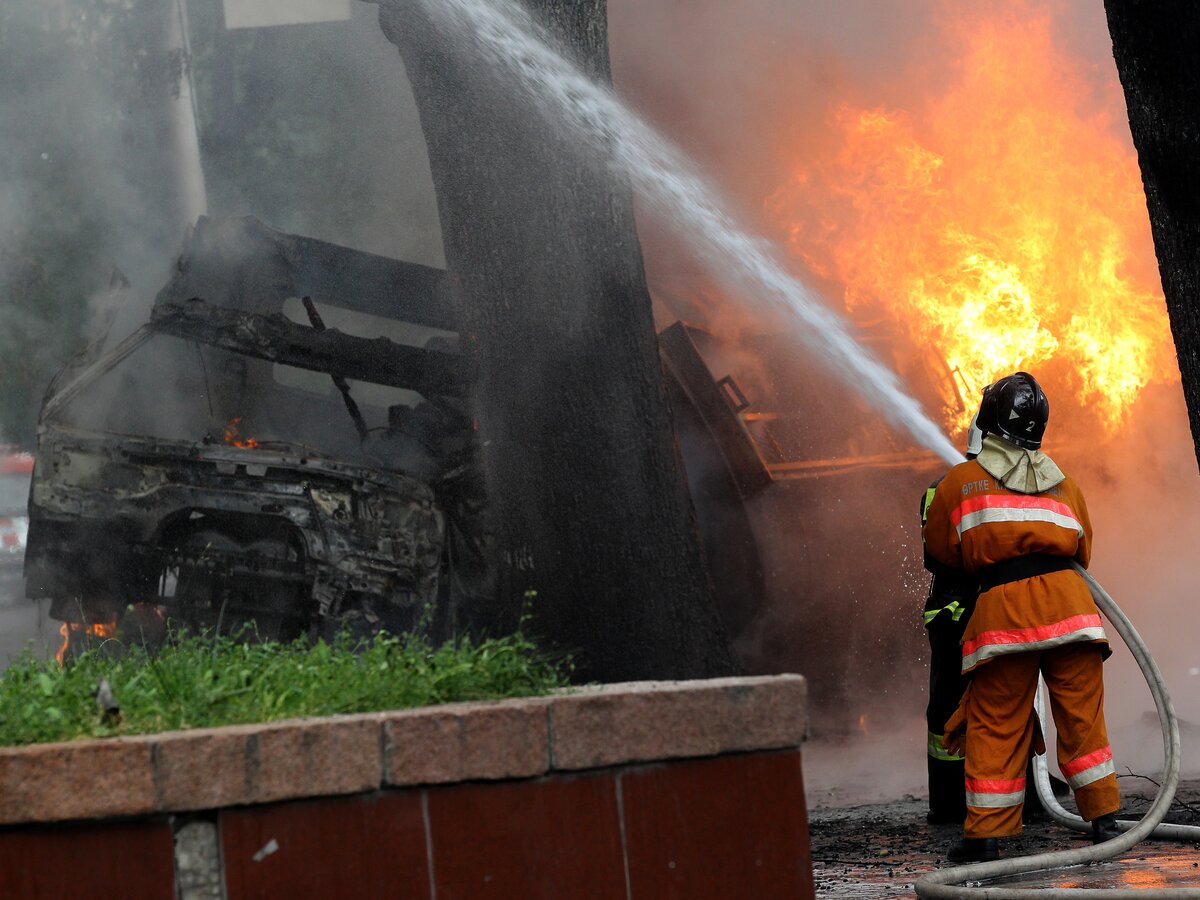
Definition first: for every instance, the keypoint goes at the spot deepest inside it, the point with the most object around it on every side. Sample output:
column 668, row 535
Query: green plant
column 204, row 680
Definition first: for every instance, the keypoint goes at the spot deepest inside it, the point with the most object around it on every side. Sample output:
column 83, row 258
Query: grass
column 202, row 681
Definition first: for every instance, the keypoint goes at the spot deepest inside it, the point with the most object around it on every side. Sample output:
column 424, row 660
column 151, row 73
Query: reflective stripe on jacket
column 1042, row 637
column 995, row 508
column 974, row 521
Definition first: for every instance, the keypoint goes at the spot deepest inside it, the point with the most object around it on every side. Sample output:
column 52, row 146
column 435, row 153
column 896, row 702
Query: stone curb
column 466, row 742
column 636, row 722
column 580, row 728
column 83, row 780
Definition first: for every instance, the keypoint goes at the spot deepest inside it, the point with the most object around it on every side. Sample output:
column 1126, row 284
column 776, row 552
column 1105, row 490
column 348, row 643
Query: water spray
column 667, row 182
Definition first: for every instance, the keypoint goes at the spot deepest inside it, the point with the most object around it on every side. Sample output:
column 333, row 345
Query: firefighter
column 1015, row 521
column 948, row 608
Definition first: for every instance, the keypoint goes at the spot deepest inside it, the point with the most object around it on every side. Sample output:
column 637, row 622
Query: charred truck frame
column 231, row 462
column 235, row 459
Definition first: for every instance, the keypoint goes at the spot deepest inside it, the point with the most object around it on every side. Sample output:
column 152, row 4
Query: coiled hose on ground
column 951, row 883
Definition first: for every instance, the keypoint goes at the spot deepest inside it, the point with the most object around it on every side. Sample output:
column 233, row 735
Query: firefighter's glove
column 955, row 742
column 954, row 734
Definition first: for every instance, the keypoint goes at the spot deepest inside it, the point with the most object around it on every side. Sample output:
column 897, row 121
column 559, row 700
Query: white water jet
column 667, row 181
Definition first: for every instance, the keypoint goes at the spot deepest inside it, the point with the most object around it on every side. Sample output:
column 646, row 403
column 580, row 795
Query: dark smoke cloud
column 311, row 128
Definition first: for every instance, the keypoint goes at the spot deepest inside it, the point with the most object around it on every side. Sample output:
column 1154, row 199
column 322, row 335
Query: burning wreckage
column 235, row 460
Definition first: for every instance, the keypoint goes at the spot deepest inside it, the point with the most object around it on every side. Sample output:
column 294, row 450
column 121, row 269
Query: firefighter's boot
column 971, row 850
column 1104, row 828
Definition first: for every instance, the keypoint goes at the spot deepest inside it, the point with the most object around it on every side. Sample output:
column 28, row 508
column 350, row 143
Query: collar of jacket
column 1018, row 469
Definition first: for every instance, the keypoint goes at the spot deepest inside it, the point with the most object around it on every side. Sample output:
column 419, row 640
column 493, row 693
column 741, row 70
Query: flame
column 1000, row 222
column 79, row 629
column 232, row 435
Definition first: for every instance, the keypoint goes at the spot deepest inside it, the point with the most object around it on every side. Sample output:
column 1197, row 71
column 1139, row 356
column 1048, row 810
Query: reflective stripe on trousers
column 995, row 794
column 1090, row 767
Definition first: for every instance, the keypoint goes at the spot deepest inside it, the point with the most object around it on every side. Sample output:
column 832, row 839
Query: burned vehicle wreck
column 288, row 441
column 283, row 443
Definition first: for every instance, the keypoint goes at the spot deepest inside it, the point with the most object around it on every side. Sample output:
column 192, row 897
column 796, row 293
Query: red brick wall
column 92, row 861
column 722, row 827
column 725, row 827
column 653, row 791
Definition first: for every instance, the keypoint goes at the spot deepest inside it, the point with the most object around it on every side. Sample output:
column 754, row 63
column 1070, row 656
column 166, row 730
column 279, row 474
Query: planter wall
column 647, row 790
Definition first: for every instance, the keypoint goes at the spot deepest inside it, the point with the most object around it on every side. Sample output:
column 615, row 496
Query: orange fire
column 1000, row 221
column 74, row 631
column 233, row 436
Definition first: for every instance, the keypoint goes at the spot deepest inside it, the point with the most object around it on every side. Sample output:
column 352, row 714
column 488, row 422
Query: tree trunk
column 589, row 505
column 1155, row 45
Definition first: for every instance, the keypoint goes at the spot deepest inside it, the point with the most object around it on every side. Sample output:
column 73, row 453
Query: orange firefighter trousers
column 1000, row 729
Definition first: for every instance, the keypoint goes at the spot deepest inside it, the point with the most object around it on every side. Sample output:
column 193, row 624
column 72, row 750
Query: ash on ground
column 879, row 849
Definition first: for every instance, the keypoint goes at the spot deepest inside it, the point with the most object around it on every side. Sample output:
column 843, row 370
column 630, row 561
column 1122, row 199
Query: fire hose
column 951, row 883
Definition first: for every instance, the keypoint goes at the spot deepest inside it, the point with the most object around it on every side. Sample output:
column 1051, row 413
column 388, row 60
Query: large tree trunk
column 588, row 499
column 1155, row 44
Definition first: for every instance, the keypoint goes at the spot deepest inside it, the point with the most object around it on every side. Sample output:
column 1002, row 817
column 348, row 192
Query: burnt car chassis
column 305, row 528
column 212, row 533
column 129, row 529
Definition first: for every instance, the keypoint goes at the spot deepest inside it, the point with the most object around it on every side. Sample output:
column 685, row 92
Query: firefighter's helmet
column 1016, row 409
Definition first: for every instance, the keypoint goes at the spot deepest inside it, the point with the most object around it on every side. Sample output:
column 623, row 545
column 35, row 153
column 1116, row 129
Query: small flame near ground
column 999, row 220
column 74, row 632
column 233, row 437
column 142, row 622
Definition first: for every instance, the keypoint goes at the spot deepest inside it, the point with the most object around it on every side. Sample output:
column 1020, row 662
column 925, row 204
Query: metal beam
column 277, row 339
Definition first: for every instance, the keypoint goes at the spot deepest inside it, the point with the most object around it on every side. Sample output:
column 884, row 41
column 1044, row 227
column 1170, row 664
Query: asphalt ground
column 879, row 850
column 871, row 846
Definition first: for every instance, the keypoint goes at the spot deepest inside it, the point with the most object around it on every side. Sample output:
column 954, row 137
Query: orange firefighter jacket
column 974, row 521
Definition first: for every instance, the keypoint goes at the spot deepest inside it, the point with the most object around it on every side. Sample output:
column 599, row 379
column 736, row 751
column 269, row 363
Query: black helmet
column 1016, row 409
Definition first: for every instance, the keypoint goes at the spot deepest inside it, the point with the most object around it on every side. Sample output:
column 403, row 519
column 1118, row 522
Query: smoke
column 81, row 166
column 1143, row 491
column 312, row 128
column 81, row 176
column 736, row 85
